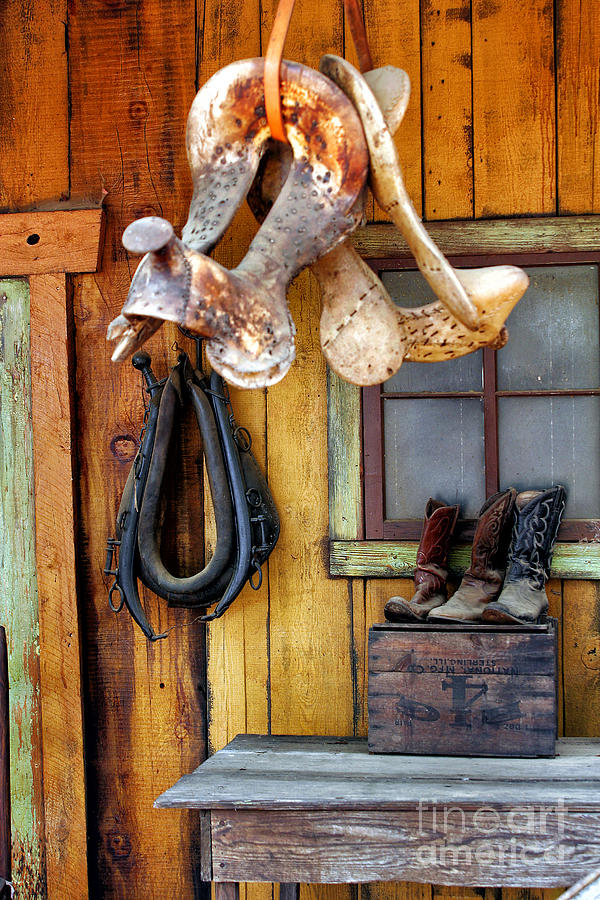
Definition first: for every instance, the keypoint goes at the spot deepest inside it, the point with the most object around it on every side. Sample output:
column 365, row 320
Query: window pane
column 409, row 288
column 553, row 332
column 552, row 440
column 433, row 448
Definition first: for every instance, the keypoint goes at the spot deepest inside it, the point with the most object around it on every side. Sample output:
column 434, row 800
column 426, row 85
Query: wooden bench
column 324, row 810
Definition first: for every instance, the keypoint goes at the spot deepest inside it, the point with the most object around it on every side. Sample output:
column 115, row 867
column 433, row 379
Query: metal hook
column 197, row 339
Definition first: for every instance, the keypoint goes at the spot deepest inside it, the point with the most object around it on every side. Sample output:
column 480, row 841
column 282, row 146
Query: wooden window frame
column 356, row 496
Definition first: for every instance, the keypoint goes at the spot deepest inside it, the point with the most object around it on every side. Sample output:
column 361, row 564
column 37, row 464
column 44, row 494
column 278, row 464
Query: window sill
column 395, row 559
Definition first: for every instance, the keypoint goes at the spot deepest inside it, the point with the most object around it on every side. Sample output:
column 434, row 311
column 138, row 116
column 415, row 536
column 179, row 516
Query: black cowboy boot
column 523, row 598
column 482, row 582
column 431, row 572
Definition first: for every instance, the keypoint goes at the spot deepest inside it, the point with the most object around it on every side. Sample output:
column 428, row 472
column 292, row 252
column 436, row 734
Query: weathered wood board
column 96, row 96
column 19, row 592
column 266, row 771
column 373, row 846
column 325, row 810
column 385, row 559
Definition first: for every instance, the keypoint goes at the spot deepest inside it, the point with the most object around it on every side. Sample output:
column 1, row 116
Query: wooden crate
column 463, row 690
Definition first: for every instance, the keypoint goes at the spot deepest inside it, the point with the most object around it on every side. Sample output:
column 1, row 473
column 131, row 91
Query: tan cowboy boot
column 523, row 598
column 431, row 573
column 482, row 582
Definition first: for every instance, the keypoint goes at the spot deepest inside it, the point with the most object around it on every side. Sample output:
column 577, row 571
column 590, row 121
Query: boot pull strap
column 272, row 76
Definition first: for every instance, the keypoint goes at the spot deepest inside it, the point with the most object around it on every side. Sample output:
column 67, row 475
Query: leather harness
column 247, row 523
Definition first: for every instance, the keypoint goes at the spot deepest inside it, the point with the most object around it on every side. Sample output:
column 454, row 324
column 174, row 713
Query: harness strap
column 127, row 523
column 243, row 556
column 274, row 54
column 246, row 517
column 152, row 569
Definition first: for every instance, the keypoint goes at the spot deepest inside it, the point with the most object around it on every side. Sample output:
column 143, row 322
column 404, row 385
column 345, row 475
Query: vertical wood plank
column 18, row 591
column 581, row 643
column 132, row 80
column 578, row 93
column 5, row 829
column 227, row 890
column 34, row 139
column 578, row 101
column 513, row 107
column 237, row 644
column 447, row 109
column 289, row 891
column 378, row 592
column 393, row 30
column 309, row 612
column 311, row 639
column 62, row 713
column 345, row 459
column 310, row 616
column 554, row 591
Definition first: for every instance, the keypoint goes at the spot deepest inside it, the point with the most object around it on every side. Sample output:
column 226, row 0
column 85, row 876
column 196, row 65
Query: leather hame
column 247, row 523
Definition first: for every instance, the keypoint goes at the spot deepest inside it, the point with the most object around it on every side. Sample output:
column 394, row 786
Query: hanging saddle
column 247, row 523
column 243, row 312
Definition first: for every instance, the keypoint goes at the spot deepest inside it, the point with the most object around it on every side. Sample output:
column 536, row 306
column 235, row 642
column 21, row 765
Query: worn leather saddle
column 247, row 523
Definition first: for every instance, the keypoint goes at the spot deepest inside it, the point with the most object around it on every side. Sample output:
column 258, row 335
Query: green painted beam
column 18, row 589
column 388, row 559
column 343, row 441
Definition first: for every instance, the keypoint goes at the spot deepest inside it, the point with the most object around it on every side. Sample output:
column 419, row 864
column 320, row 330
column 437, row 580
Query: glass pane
column 433, row 448
column 409, row 288
column 553, row 332
column 552, row 440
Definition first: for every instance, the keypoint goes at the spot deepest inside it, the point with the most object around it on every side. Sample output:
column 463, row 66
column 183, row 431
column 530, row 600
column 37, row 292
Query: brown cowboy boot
column 431, row 572
column 523, row 598
column 482, row 582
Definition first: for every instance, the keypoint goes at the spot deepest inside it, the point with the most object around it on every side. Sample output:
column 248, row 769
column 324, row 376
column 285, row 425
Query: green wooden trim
column 548, row 234
column 343, row 441
column 388, row 559
column 18, row 587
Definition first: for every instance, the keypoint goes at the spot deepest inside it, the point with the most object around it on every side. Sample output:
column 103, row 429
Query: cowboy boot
column 431, row 572
column 482, row 582
column 523, row 598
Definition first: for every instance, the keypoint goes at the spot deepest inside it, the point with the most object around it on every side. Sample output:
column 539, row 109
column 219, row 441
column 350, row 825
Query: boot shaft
column 483, row 579
column 431, row 570
column 432, row 555
column 537, row 520
column 492, row 537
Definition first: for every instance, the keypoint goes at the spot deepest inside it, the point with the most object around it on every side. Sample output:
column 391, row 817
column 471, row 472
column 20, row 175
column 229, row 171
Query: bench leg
column 289, row 891
column 227, row 890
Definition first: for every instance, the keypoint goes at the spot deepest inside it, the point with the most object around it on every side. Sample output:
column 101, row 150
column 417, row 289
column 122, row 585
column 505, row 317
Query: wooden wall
column 93, row 97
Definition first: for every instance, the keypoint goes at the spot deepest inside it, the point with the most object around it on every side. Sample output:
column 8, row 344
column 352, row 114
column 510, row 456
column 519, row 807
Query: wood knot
column 590, row 655
column 118, row 844
column 123, row 447
column 138, row 111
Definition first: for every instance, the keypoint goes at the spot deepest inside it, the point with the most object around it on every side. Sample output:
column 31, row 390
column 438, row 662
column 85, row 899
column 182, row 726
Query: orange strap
column 274, row 54
column 359, row 34
column 272, row 68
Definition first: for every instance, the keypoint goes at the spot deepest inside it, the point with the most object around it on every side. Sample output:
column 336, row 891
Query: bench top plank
column 286, row 772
